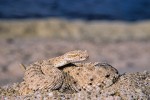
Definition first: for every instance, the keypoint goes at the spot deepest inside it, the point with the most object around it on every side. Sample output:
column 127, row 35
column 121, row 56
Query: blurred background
column 113, row 31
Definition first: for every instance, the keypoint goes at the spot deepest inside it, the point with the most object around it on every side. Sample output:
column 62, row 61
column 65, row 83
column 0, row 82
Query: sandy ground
column 125, row 46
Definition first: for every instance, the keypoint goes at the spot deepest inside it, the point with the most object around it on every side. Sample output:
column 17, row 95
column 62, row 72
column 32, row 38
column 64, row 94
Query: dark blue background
column 129, row 10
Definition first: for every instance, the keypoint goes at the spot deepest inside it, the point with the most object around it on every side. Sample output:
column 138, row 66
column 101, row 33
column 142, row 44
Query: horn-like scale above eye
column 76, row 56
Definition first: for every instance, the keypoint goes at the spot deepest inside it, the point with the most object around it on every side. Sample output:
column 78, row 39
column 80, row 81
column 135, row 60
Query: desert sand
column 125, row 46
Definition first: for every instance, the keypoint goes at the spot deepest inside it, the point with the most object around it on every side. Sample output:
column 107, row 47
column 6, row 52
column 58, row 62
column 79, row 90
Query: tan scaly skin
column 92, row 75
column 45, row 74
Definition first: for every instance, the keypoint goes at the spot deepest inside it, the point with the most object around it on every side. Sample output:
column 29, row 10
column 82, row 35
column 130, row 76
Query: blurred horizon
column 122, row 10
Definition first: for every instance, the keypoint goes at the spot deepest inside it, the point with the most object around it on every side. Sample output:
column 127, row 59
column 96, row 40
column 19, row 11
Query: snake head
column 76, row 56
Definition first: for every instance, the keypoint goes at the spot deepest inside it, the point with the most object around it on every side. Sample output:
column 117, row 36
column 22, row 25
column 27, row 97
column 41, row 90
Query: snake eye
column 107, row 76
